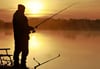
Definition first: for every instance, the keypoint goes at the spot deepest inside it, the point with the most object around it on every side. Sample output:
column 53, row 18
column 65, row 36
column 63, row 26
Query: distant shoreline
column 60, row 24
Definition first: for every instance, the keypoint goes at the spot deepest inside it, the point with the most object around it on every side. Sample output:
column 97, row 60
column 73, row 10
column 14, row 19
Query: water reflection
column 79, row 50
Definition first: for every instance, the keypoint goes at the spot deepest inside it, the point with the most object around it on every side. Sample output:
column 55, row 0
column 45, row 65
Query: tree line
column 60, row 24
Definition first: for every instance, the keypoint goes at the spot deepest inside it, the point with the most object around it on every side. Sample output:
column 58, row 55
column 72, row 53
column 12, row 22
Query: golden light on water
column 35, row 40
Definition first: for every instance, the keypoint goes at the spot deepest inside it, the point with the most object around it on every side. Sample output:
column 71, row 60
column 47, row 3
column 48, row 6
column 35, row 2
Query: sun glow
column 34, row 7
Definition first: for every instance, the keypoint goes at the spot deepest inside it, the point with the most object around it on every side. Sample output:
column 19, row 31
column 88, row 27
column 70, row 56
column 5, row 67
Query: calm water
column 79, row 50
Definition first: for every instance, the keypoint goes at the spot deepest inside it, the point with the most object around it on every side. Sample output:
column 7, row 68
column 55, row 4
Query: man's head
column 21, row 8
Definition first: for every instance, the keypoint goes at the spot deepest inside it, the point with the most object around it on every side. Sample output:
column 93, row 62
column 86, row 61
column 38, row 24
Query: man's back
column 20, row 25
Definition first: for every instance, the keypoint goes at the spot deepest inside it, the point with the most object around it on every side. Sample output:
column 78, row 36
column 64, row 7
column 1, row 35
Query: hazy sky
column 83, row 8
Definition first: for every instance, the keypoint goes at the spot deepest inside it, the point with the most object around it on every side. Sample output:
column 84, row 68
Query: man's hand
column 32, row 29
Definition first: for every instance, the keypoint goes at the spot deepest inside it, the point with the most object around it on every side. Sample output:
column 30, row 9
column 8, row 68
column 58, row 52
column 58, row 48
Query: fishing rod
column 39, row 64
column 55, row 14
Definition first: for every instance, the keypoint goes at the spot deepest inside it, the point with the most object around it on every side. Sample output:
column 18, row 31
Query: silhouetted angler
column 21, row 36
